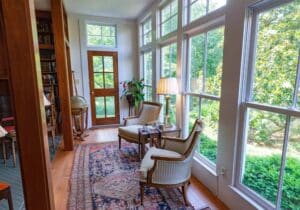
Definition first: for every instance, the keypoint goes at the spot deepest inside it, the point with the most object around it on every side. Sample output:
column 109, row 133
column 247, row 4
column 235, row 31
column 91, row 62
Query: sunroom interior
column 106, row 85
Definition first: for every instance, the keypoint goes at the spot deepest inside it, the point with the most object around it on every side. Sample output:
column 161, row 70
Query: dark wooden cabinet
column 5, row 99
column 48, row 62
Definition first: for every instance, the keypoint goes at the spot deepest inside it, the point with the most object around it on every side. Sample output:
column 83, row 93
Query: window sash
column 162, row 22
column 248, row 103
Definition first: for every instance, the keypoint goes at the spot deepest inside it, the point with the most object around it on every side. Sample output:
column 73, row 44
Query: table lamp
column 167, row 87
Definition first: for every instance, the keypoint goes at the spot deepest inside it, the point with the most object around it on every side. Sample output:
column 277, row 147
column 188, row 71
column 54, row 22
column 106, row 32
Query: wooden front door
column 104, row 87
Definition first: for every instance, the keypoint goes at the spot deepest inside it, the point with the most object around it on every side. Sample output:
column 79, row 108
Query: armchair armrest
column 155, row 157
column 131, row 120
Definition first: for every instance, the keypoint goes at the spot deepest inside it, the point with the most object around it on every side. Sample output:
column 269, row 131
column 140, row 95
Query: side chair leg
column 119, row 142
column 142, row 193
column 184, row 192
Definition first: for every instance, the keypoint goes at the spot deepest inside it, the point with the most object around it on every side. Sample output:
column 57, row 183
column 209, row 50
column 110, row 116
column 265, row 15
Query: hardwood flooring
column 62, row 166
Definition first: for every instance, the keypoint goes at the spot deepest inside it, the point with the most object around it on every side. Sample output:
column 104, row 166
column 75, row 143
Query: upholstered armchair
column 149, row 114
column 170, row 166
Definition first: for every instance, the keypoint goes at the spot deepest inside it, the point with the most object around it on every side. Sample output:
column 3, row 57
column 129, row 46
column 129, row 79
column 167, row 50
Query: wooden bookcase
column 5, row 99
column 48, row 62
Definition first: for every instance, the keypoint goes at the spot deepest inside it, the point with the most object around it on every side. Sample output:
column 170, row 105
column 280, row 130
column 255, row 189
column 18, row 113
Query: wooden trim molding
column 62, row 72
column 27, row 93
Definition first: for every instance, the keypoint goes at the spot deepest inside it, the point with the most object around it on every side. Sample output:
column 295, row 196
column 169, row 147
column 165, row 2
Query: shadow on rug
column 104, row 177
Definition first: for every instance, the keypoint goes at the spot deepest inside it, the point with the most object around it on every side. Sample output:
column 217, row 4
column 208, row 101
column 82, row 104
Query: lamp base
column 167, row 123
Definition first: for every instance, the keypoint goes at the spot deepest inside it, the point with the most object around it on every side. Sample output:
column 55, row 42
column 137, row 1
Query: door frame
column 114, row 91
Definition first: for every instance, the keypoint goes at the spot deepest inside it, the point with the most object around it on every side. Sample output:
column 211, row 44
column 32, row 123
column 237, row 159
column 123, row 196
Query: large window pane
column 206, row 61
column 172, row 108
column 263, row 152
column 169, row 18
column 194, row 110
column 199, row 8
column 197, row 59
column 216, row 4
column 147, row 59
column 214, row 63
column 277, row 51
column 148, row 68
column 169, row 60
column 209, row 138
column 291, row 182
column 148, row 93
column 147, row 28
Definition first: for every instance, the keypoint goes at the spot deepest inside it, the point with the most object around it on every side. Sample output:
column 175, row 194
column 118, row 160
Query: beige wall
column 127, row 40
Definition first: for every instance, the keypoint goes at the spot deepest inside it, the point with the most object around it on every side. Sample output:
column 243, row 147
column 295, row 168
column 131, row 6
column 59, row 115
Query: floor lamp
column 167, row 87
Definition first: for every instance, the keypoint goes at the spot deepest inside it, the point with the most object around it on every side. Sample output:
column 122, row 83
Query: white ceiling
column 129, row 9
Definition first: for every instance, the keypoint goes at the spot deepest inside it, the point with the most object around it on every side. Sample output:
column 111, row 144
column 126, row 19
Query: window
column 204, row 87
column 168, row 69
column 101, row 35
column 197, row 8
column 270, row 171
column 147, row 72
column 147, row 32
column 168, row 17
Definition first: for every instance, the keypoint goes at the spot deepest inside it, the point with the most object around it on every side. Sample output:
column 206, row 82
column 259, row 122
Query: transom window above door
column 101, row 35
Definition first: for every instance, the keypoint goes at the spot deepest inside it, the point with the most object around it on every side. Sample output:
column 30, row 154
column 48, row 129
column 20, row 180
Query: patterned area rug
column 105, row 178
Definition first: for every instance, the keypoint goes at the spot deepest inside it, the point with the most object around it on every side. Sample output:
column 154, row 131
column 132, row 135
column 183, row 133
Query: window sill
column 211, row 170
column 245, row 197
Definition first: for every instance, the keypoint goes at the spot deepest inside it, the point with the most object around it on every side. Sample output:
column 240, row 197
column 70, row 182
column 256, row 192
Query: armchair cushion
column 148, row 163
column 130, row 132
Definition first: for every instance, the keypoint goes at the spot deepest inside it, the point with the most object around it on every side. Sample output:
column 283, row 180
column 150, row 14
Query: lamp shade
column 46, row 101
column 167, row 86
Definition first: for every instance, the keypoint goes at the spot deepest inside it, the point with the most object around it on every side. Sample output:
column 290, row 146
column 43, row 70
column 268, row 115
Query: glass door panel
column 103, row 71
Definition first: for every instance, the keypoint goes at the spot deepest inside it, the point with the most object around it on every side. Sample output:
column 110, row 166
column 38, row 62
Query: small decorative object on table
column 153, row 134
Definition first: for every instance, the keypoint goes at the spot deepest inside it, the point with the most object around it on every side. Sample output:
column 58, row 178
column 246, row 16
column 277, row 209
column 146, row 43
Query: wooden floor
column 62, row 166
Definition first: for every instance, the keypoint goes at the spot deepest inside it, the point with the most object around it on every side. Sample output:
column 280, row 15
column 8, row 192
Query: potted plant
column 133, row 91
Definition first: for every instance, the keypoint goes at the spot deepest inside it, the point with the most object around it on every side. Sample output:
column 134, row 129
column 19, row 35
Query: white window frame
column 202, row 95
column 168, row 4
column 248, row 77
column 101, row 24
column 149, row 19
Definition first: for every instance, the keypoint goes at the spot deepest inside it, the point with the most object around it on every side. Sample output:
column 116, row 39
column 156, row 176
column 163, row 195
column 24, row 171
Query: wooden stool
column 6, row 194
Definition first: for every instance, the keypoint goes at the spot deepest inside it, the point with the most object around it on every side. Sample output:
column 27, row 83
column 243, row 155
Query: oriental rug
column 104, row 177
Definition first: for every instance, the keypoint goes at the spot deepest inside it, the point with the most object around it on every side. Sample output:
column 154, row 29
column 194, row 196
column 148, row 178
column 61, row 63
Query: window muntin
column 168, row 15
column 199, row 8
column 204, row 86
column 101, row 35
column 148, row 75
column 271, row 146
column 147, row 31
column 168, row 69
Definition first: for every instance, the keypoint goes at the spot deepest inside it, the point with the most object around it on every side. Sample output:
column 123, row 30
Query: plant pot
column 130, row 100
